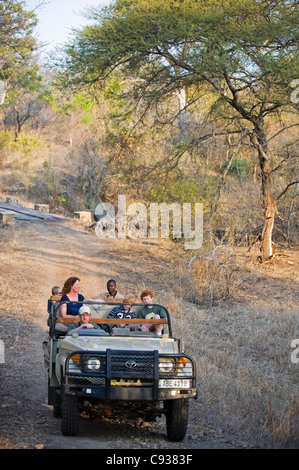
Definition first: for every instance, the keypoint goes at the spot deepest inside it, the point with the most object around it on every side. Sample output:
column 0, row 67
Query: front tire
column 69, row 415
column 177, row 414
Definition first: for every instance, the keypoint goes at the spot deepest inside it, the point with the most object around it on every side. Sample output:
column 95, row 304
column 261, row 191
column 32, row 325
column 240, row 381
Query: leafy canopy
column 246, row 51
column 17, row 42
column 246, row 37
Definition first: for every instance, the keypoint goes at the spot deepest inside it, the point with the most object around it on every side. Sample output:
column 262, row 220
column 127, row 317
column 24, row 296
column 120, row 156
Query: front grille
column 137, row 364
column 114, row 364
column 122, row 368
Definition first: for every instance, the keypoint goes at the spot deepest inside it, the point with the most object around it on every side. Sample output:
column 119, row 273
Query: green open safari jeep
column 117, row 371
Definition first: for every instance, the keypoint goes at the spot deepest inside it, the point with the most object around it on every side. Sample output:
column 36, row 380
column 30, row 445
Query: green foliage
column 21, row 151
column 158, row 87
column 17, row 42
column 26, row 86
column 6, row 140
column 177, row 187
column 27, row 143
column 85, row 104
column 26, row 93
column 82, row 103
column 235, row 46
column 239, row 166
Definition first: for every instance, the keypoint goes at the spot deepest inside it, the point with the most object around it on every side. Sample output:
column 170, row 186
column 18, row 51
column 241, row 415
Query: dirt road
column 42, row 254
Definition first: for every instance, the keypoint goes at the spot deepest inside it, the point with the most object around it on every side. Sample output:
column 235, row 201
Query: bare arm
column 63, row 310
column 85, row 325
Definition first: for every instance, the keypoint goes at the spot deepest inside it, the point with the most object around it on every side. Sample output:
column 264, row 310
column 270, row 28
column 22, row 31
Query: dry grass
column 7, row 236
column 246, row 380
column 241, row 341
column 248, row 386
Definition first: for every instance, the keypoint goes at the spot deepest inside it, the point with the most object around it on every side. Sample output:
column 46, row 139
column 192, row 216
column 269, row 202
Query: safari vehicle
column 121, row 372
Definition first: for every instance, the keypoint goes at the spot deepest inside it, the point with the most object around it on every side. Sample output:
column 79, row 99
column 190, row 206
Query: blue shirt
column 72, row 309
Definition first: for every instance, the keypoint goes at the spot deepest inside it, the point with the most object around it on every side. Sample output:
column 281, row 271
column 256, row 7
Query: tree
column 17, row 46
column 17, row 43
column 27, row 97
column 246, row 51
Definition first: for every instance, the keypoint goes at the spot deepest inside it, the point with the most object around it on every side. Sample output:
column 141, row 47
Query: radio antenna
column 180, row 307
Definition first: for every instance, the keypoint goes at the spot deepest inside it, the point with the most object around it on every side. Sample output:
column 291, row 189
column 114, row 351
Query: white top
column 116, row 296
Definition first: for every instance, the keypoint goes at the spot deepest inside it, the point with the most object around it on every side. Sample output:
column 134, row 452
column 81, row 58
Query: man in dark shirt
column 84, row 314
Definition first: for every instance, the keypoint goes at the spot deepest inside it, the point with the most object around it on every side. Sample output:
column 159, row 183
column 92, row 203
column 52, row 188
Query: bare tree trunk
column 268, row 202
column 258, row 139
column 291, row 212
column 270, row 209
column 181, row 96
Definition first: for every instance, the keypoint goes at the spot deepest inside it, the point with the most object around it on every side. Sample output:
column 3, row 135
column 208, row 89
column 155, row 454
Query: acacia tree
column 245, row 51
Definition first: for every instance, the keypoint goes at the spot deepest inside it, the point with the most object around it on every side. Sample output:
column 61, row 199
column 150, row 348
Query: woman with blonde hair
column 70, row 293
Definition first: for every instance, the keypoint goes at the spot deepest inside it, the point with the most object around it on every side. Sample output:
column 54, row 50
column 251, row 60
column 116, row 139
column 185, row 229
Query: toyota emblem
column 131, row 364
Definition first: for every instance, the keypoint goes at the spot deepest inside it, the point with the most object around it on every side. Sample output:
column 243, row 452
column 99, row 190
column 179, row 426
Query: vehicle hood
column 101, row 343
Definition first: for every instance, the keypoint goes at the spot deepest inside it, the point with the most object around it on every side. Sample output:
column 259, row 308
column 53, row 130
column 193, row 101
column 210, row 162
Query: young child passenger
column 56, row 290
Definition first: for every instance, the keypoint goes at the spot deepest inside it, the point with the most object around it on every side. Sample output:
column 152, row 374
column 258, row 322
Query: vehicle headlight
column 185, row 366
column 93, row 363
column 166, row 365
column 74, row 361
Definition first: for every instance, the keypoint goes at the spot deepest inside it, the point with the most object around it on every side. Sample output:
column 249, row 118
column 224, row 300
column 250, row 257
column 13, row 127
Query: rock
column 39, row 446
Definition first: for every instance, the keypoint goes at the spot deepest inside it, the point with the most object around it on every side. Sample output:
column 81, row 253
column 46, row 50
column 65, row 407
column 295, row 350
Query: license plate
column 174, row 383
